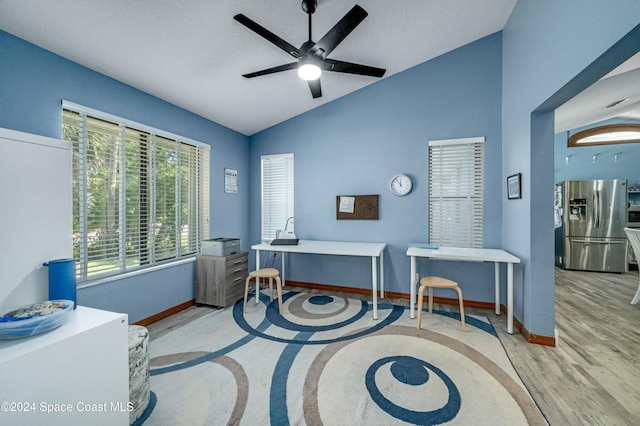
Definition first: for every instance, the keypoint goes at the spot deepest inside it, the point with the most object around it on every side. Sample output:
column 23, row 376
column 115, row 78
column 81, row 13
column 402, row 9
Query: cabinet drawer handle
column 238, row 270
column 238, row 279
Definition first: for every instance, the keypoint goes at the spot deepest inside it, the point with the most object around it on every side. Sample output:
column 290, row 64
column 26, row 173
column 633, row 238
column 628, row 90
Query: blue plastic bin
column 62, row 280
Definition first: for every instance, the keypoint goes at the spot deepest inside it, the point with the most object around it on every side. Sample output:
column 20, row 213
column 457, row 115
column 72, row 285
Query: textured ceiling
column 590, row 106
column 192, row 53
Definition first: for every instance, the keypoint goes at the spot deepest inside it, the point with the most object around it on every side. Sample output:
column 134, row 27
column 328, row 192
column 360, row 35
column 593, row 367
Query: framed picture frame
column 230, row 181
column 514, row 187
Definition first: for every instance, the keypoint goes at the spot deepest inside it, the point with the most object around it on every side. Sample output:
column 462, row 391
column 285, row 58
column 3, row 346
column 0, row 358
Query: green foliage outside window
column 137, row 197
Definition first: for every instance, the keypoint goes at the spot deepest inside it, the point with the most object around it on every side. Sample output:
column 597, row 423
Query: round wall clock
column 401, row 185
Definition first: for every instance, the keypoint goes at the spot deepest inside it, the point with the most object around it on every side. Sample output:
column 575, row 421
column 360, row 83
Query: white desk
column 469, row 255
column 338, row 248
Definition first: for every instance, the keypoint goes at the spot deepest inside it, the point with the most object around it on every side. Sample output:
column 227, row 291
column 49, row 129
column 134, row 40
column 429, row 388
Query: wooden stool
column 270, row 273
column 438, row 282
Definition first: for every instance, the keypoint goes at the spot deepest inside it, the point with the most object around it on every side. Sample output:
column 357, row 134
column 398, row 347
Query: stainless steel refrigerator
column 594, row 214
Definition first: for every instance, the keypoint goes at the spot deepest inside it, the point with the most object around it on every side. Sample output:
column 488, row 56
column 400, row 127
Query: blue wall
column 356, row 144
column 33, row 82
column 582, row 167
column 546, row 43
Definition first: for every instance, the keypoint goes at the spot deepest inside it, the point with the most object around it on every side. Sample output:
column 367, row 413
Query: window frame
column 576, row 140
column 448, row 193
column 191, row 186
column 272, row 221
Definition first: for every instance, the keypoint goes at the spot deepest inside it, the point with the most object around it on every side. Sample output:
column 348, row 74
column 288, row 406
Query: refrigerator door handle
column 610, row 242
column 587, row 241
column 599, row 210
column 594, row 211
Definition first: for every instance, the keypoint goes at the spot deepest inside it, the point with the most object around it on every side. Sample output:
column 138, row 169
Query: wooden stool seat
column 438, row 282
column 271, row 274
column 264, row 273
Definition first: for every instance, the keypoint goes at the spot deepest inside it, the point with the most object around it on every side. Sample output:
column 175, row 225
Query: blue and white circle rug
column 326, row 361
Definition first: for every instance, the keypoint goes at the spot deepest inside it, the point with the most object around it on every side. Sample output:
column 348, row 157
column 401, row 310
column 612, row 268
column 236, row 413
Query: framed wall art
column 514, row 187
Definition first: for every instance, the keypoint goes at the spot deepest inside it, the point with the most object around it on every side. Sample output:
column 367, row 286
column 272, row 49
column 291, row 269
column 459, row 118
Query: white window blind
column 277, row 194
column 139, row 198
column 456, row 192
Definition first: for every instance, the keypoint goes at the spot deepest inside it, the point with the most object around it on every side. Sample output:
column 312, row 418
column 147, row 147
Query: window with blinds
column 277, row 194
column 455, row 192
column 139, row 197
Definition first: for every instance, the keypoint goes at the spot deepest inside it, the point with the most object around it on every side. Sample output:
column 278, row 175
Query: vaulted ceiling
column 193, row 54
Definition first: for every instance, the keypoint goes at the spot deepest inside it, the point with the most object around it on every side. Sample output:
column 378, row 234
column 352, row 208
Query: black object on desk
column 285, row 242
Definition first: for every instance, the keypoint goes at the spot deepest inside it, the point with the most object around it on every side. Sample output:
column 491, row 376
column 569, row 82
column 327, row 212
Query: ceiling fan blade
column 265, row 33
column 285, row 67
column 316, row 90
column 351, row 68
column 340, row 31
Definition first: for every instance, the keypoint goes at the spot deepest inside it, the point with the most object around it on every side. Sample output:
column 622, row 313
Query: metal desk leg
column 497, row 284
column 382, row 275
column 374, row 286
column 282, row 278
column 412, row 280
column 257, row 279
column 510, row 298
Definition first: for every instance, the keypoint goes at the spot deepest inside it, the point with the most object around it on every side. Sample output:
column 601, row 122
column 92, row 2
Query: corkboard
column 365, row 207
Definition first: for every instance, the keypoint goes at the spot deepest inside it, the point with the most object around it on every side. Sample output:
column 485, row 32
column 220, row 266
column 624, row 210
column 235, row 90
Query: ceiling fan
column 311, row 57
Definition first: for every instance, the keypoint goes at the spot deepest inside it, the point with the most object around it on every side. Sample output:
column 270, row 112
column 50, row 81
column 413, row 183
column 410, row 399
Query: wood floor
column 592, row 377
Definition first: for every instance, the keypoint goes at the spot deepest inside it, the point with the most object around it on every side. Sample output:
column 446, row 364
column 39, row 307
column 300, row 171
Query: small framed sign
column 514, row 187
column 230, row 181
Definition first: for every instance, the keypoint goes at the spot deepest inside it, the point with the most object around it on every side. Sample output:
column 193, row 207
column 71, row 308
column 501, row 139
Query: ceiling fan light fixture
column 311, row 57
column 308, row 71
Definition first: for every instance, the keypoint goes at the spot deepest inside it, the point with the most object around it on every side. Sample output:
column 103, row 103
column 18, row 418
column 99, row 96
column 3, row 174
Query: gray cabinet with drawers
column 220, row 279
